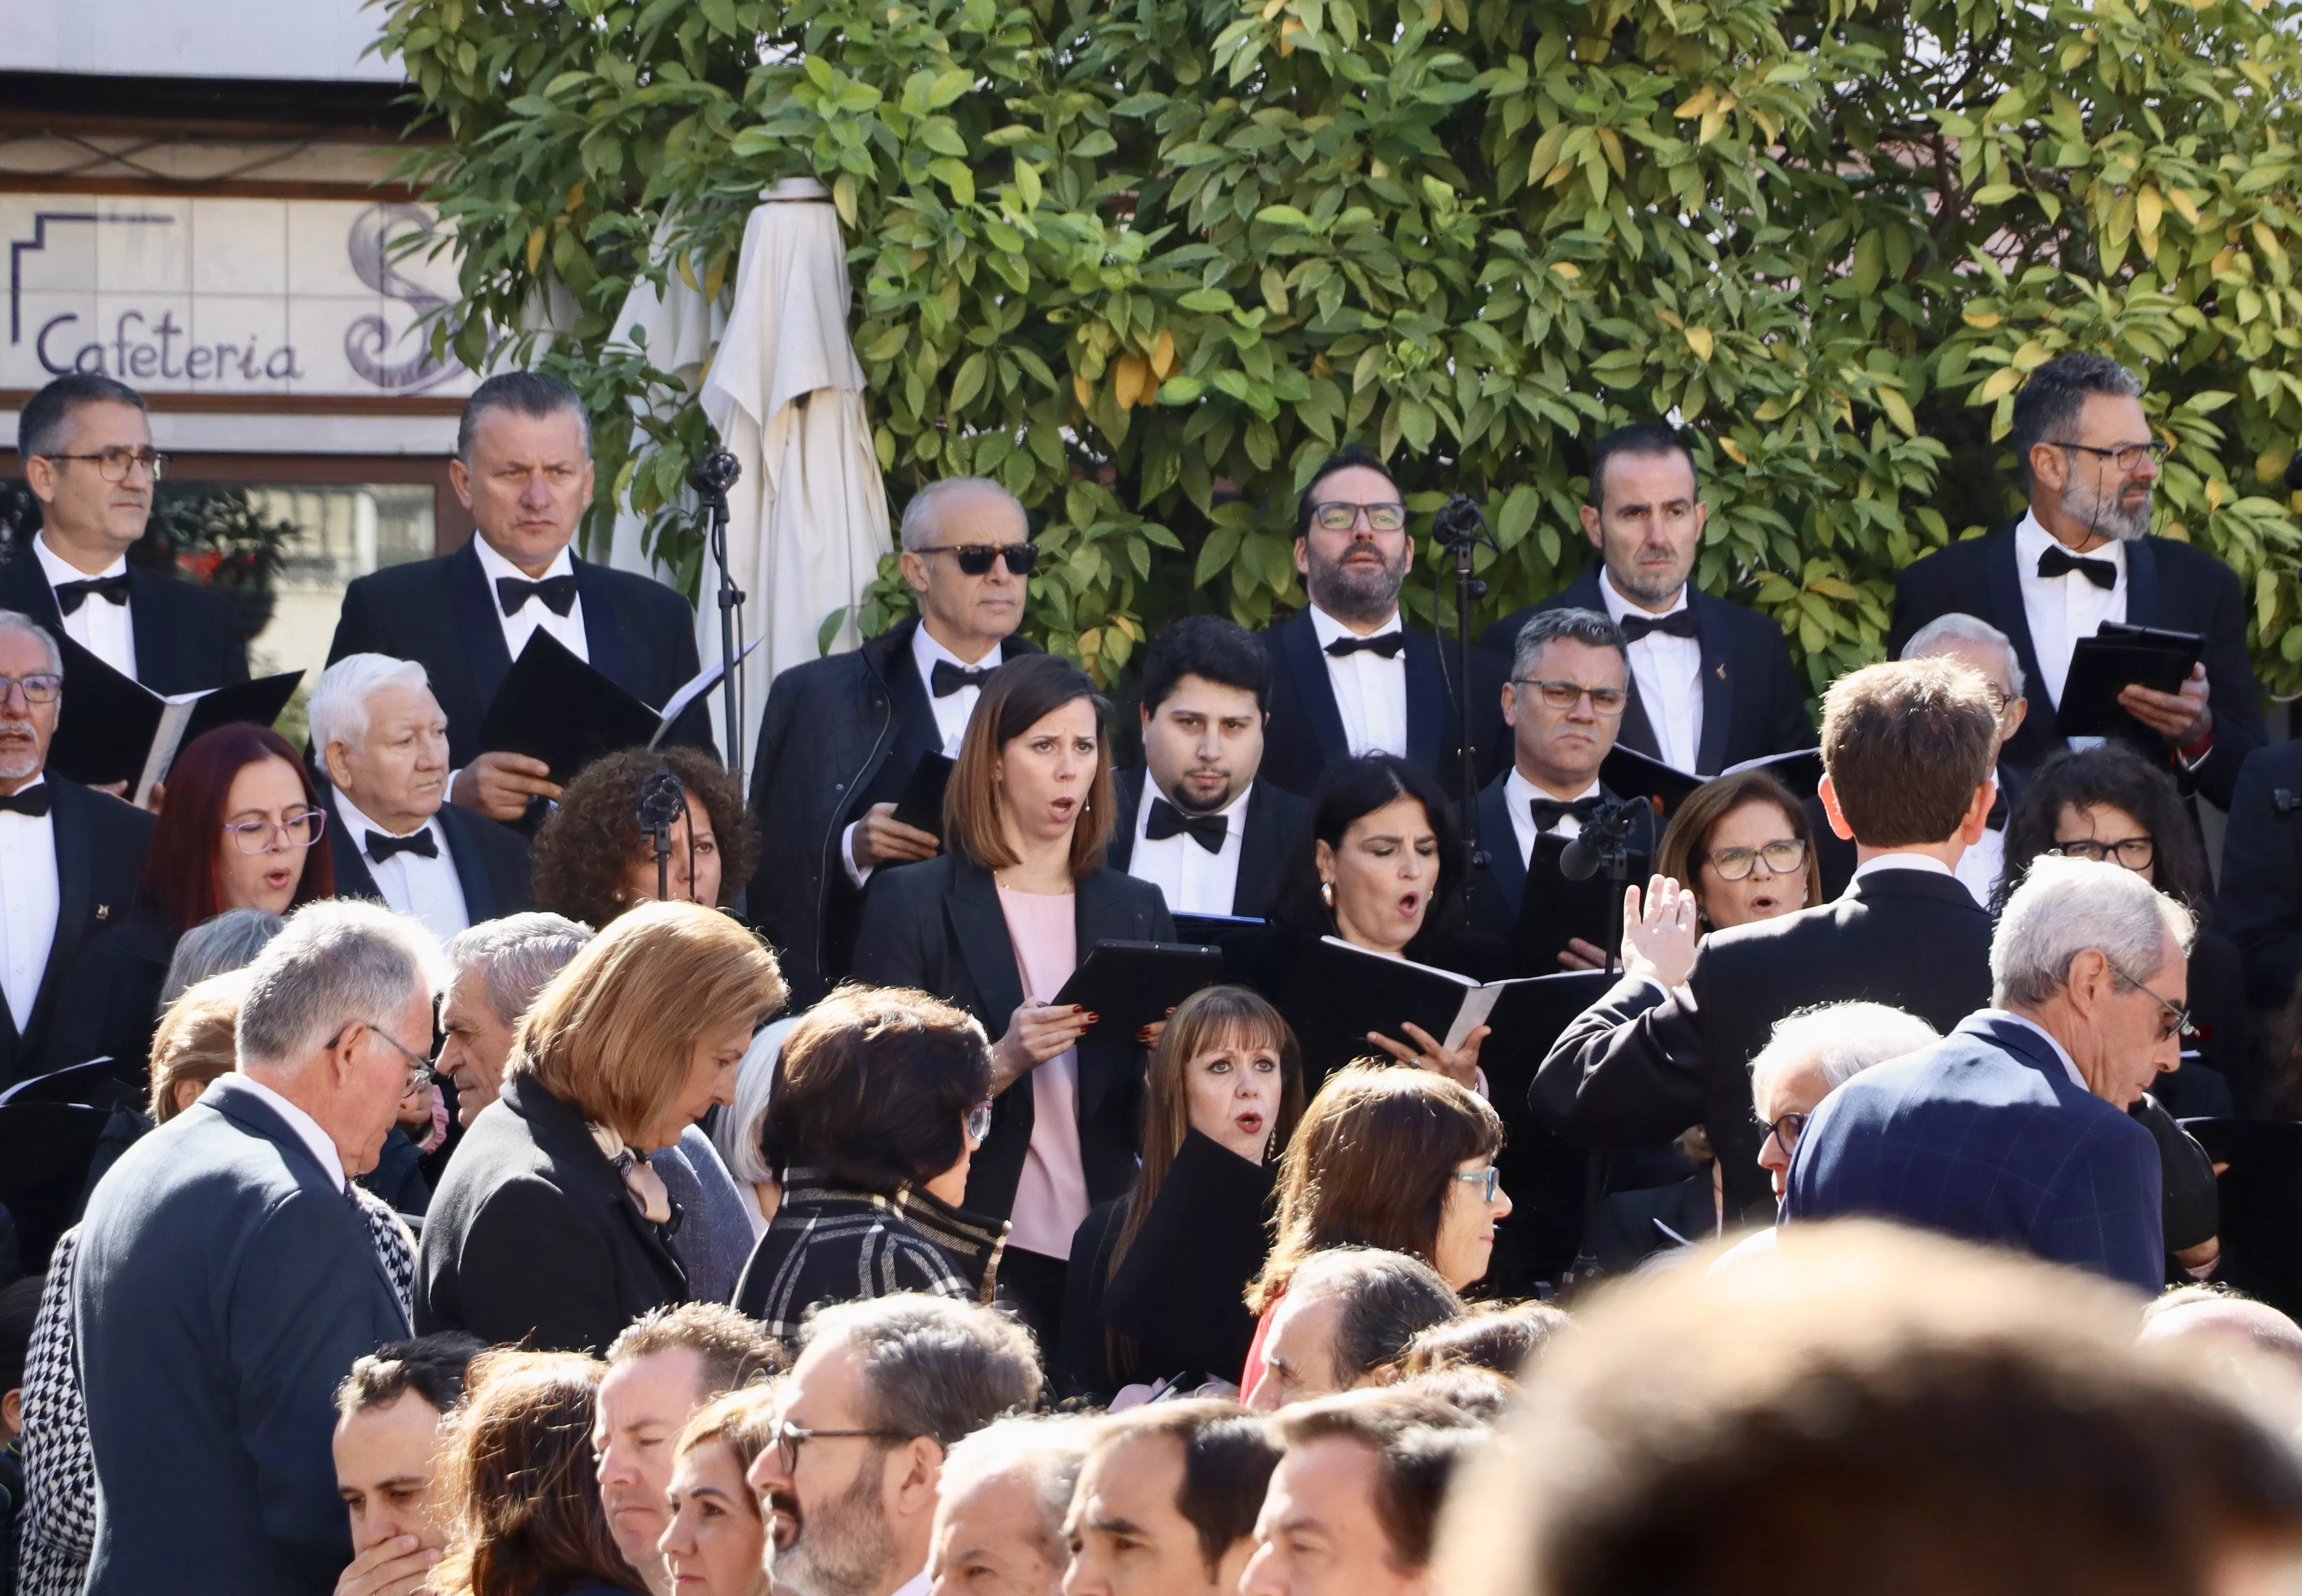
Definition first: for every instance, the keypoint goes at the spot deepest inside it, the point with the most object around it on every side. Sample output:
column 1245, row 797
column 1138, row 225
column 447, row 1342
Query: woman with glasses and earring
column 881, row 1097
column 1742, row 845
column 2108, row 803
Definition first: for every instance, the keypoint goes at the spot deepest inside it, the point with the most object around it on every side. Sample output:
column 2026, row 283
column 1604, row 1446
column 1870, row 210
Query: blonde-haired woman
column 550, row 1224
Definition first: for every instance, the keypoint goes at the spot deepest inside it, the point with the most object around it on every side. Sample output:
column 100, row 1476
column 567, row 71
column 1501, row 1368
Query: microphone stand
column 1460, row 529
column 711, row 477
column 662, row 800
column 1605, row 845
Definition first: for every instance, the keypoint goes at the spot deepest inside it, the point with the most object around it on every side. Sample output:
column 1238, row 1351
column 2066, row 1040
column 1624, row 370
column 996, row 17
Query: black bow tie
column 1679, row 623
column 1166, row 820
column 948, row 678
column 2059, row 562
column 380, row 847
column 72, row 595
column 1549, row 811
column 1387, row 645
column 31, row 800
column 558, row 593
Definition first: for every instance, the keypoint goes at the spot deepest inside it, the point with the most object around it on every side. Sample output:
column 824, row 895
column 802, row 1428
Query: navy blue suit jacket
column 1987, row 1136
column 224, row 1286
column 188, row 638
column 1305, row 734
column 2260, row 907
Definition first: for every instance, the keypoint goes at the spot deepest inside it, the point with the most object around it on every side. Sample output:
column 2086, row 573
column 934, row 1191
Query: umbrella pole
column 711, row 476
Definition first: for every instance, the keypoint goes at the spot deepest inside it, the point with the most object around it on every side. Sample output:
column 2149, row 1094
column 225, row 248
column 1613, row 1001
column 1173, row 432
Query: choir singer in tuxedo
column 1712, row 684
column 383, row 743
column 1206, row 834
column 841, row 737
column 87, row 448
column 1906, row 760
column 1569, row 687
column 1349, row 677
column 69, row 857
column 523, row 466
column 2080, row 556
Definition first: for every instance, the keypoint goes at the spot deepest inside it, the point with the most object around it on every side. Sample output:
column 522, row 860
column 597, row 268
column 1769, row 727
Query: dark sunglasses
column 975, row 558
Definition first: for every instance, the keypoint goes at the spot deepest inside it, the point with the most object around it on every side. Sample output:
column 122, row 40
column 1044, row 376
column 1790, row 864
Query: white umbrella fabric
column 678, row 330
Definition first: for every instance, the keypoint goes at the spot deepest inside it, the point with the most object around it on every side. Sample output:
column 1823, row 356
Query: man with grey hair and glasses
column 228, row 1275
column 841, row 737
column 2020, row 1128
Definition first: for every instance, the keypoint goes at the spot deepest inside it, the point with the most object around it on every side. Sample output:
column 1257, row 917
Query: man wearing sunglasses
column 1348, row 676
column 2081, row 556
column 87, row 448
column 841, row 737
column 2021, row 1128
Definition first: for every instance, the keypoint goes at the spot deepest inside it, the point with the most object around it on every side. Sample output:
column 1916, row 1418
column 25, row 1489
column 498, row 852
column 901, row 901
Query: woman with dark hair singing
column 591, row 862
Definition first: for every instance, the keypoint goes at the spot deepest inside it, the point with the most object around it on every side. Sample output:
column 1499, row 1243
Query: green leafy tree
column 1147, row 262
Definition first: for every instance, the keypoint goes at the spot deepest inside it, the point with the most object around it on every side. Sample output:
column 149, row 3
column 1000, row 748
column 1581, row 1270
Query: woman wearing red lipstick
column 995, row 925
column 1156, row 1277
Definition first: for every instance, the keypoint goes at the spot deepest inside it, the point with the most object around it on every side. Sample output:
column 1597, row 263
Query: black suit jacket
column 2260, row 907
column 839, row 735
column 490, row 862
column 1274, row 821
column 1571, row 909
column 100, row 846
column 533, row 1234
column 937, row 926
column 442, row 614
column 1639, row 1066
column 188, row 639
column 1753, row 703
column 1304, row 734
column 2168, row 585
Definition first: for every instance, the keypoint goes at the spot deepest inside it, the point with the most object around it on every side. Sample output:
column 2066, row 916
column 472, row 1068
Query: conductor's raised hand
column 880, row 839
column 1658, row 937
column 499, row 785
column 1457, row 1064
column 1036, row 1033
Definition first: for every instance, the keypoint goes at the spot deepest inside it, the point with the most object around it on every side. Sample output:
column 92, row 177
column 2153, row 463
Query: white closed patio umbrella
column 807, row 522
column 679, row 329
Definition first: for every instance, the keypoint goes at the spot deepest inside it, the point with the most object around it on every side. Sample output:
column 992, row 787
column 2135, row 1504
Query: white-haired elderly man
column 1000, row 1507
column 229, row 1274
column 383, row 741
column 2029, row 1126
column 1810, row 1054
column 1983, row 649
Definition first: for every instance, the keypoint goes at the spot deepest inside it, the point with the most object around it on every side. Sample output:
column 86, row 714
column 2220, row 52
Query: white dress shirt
column 1981, row 865
column 2061, row 1052
column 950, row 716
column 1668, row 671
column 1193, row 880
column 307, row 1128
column 429, row 890
column 2063, row 609
column 28, row 901
column 520, row 625
column 1370, row 691
column 1901, row 862
column 1517, row 793
column 99, row 625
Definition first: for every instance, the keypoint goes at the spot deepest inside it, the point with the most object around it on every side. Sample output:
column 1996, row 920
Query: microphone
column 1606, row 833
column 663, row 801
column 716, row 472
column 1457, row 523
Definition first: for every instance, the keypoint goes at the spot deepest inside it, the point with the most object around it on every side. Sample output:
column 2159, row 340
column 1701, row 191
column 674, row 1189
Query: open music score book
column 561, row 710
column 111, row 728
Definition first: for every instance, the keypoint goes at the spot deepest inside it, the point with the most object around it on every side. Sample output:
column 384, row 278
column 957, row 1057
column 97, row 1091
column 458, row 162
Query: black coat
column 1273, row 822
column 188, row 639
column 2168, row 585
column 2260, row 907
column 1639, row 1066
column 839, row 735
column 531, row 1234
column 100, row 846
column 1588, row 908
column 1305, row 734
column 1753, row 703
column 830, row 1244
column 490, row 862
column 937, row 926
column 442, row 614
column 111, row 1004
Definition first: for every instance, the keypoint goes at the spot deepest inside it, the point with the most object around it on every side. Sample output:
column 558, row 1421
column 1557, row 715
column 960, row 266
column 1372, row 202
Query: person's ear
column 1510, row 705
column 2050, row 468
column 2018, row 711
column 337, row 758
column 460, row 477
column 1303, row 556
column 1831, row 812
column 2089, row 981
column 1592, row 526
column 915, row 1474
column 40, row 476
column 1322, row 861
column 11, row 1412
column 915, row 570
column 1978, row 813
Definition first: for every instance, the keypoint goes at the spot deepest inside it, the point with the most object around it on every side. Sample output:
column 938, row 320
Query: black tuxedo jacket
column 1304, row 734
column 1753, row 703
column 442, row 614
column 2168, row 585
column 188, row 639
column 491, row 861
column 100, row 845
column 1274, row 821
column 1575, row 908
column 1641, row 1066
column 937, row 926
column 2260, row 907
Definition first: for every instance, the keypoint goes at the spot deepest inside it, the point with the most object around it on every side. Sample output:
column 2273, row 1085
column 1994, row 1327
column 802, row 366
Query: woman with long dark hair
column 1153, row 1290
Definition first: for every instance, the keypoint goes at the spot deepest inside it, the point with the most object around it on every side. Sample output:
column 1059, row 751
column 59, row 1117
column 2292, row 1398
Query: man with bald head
column 841, row 737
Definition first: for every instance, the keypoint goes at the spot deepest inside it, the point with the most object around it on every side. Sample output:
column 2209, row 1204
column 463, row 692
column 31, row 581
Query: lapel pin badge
column 104, row 912
column 1721, row 668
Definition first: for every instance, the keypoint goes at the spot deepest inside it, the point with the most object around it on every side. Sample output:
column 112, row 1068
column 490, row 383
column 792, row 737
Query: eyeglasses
column 1786, row 1130
column 2126, row 457
column 1487, row 1180
column 41, row 689
column 420, row 1069
column 789, row 1438
column 975, row 558
column 1332, row 515
column 115, row 464
column 978, row 1122
column 1781, row 857
column 298, row 830
column 1563, row 696
column 2177, row 1023
column 2135, row 852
